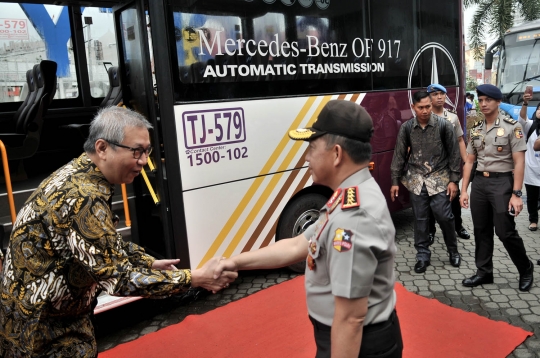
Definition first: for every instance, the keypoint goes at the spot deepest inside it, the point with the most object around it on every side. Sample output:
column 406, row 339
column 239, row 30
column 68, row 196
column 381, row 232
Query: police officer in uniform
column 437, row 93
column 498, row 144
column 350, row 250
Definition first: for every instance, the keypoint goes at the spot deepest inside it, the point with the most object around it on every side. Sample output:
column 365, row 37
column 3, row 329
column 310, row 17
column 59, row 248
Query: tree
column 471, row 83
column 496, row 17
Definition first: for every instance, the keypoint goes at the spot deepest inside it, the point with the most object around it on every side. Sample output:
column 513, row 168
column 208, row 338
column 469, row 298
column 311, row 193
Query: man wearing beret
column 427, row 144
column 350, row 250
column 498, row 144
column 437, row 93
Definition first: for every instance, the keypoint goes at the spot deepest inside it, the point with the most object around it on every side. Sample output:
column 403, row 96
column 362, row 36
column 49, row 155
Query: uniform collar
column 358, row 177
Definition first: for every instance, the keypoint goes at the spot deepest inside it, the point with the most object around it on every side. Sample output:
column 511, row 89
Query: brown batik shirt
column 433, row 161
column 63, row 251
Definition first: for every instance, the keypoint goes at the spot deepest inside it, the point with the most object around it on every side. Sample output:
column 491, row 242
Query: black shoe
column 478, row 280
column 463, row 233
column 526, row 280
column 431, row 238
column 421, row 266
column 455, row 259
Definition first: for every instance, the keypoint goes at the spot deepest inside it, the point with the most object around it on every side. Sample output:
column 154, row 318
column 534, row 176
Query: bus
column 223, row 82
column 518, row 66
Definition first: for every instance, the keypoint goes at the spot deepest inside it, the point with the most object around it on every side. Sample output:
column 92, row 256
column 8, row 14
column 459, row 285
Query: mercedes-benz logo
column 434, row 46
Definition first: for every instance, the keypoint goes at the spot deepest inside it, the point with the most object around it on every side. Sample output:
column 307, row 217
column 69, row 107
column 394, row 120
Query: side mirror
column 488, row 60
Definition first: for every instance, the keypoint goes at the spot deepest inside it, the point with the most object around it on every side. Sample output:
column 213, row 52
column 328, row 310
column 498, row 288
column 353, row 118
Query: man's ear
column 338, row 152
column 101, row 148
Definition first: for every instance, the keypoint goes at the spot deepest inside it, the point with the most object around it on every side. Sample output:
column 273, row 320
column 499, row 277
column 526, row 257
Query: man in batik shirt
column 64, row 248
column 428, row 145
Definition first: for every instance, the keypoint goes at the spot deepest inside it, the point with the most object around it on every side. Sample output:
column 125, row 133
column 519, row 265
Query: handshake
column 215, row 275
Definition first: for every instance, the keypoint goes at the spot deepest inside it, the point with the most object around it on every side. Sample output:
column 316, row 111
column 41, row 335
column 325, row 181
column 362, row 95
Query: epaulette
column 510, row 120
column 451, row 110
column 351, row 198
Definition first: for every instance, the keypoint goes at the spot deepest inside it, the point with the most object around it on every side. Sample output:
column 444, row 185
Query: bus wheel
column 297, row 216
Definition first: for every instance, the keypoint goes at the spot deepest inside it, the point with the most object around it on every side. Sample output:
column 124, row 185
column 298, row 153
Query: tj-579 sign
column 13, row 29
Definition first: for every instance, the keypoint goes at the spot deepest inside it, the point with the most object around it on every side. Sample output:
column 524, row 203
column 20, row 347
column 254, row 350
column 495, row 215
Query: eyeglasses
column 137, row 152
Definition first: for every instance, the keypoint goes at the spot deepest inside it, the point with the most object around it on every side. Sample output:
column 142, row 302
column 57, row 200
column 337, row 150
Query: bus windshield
column 520, row 60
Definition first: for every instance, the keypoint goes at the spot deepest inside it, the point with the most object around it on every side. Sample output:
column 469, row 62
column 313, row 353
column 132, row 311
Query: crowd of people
column 64, row 249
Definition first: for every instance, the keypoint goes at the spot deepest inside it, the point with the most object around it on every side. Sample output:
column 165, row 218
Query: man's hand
column 165, row 264
column 224, row 265
column 394, row 192
column 464, row 199
column 517, row 203
column 204, row 277
column 452, row 190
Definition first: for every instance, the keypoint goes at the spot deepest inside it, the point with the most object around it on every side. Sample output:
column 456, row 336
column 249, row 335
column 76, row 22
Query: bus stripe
column 256, row 184
column 270, row 187
column 355, row 97
column 275, row 204
column 299, row 187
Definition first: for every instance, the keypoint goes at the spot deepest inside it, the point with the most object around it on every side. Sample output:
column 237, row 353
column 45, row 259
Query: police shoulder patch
column 342, row 240
column 518, row 132
column 510, row 120
column 350, row 198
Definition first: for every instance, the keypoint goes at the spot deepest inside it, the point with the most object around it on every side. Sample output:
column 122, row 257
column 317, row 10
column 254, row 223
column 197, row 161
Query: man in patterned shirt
column 428, row 145
column 64, row 249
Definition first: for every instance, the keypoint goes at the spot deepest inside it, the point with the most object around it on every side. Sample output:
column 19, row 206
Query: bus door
column 132, row 22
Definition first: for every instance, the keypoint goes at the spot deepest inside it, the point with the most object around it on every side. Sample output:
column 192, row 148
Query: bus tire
column 297, row 216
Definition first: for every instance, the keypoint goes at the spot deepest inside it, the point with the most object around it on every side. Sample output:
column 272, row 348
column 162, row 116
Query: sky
column 467, row 19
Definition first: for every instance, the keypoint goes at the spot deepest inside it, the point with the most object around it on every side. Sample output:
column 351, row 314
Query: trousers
column 456, row 210
column 379, row 340
column 489, row 209
column 532, row 202
column 441, row 208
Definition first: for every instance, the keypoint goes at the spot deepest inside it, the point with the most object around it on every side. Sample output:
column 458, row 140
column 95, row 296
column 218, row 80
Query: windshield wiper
column 518, row 83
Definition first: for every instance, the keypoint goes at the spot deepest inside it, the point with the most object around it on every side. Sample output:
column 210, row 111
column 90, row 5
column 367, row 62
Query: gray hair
column 360, row 152
column 110, row 124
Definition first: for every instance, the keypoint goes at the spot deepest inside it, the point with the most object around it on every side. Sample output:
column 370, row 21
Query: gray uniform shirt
column 454, row 120
column 352, row 248
column 494, row 147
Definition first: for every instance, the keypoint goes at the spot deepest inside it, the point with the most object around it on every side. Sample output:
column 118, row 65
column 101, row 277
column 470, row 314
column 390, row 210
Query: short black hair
column 418, row 96
column 358, row 151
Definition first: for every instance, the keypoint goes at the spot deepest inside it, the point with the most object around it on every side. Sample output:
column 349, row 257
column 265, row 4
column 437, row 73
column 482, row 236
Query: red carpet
column 274, row 323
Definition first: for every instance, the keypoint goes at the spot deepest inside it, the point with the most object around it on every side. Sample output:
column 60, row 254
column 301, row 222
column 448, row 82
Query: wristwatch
column 517, row 193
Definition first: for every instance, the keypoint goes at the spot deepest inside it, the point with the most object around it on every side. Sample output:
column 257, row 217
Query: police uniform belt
column 493, row 174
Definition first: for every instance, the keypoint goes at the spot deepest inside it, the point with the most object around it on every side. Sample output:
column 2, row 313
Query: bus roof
column 529, row 25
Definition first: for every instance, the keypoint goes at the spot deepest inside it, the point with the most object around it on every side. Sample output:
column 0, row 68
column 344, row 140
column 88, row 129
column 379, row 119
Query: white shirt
column 532, row 158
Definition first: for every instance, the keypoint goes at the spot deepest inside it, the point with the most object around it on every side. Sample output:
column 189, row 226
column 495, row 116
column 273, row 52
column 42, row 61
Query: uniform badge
column 333, row 198
column 350, row 198
column 313, row 247
column 310, row 262
column 343, row 240
column 518, row 133
column 500, row 132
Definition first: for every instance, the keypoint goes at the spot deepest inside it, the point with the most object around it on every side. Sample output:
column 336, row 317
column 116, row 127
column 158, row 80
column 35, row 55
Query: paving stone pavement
column 501, row 301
